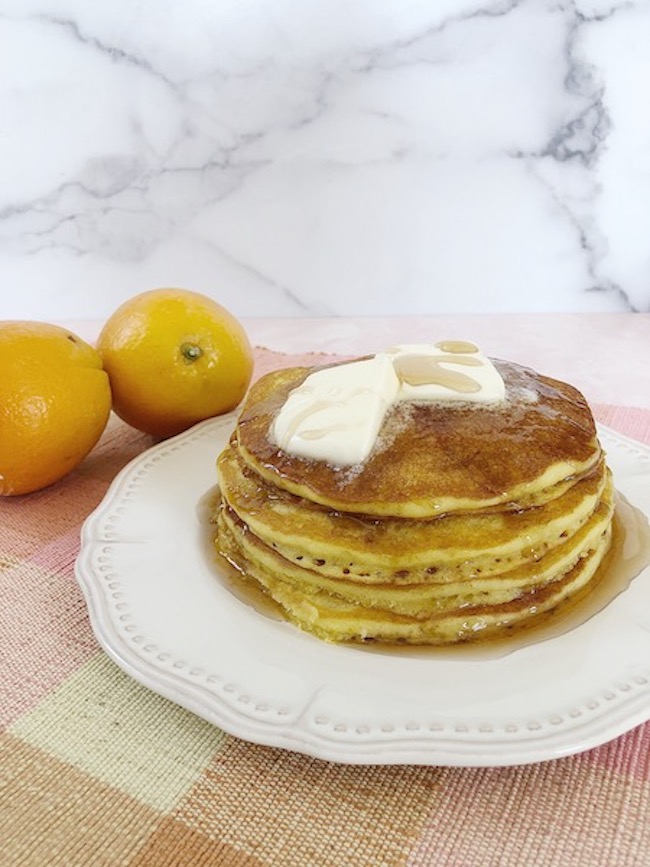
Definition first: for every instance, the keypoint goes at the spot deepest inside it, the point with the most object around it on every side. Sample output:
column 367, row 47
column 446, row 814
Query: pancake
column 332, row 618
column 419, row 600
column 432, row 458
column 372, row 550
column 464, row 520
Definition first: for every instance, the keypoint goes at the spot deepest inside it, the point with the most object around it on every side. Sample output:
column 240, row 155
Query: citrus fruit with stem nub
column 174, row 358
column 55, row 401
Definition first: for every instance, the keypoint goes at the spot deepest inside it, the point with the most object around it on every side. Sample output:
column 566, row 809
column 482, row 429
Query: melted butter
column 461, row 346
column 317, row 406
column 337, row 413
column 434, row 373
column 428, row 370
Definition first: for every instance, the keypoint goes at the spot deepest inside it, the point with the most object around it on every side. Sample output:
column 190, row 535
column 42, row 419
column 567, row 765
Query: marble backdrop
column 325, row 157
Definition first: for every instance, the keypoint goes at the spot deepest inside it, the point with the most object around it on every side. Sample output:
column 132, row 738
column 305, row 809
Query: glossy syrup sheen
column 428, row 454
column 400, row 550
column 628, row 556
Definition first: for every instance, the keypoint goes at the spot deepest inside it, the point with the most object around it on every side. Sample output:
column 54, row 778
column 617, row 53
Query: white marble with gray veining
column 326, row 157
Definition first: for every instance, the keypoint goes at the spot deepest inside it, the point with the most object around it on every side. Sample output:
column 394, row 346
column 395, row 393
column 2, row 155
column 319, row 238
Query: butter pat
column 336, row 414
column 450, row 370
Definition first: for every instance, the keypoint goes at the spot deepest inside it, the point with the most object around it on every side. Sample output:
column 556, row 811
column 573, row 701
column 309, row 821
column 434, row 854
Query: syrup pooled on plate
column 628, row 556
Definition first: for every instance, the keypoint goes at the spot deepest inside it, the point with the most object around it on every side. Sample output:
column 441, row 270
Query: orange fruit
column 174, row 358
column 55, row 400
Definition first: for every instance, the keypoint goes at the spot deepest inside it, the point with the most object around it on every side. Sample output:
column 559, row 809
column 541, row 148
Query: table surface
column 606, row 355
column 99, row 770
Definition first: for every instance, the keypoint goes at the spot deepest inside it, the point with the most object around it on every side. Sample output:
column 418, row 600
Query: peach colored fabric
column 96, row 769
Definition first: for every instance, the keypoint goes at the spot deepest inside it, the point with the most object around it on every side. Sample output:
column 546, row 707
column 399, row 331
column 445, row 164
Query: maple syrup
column 628, row 556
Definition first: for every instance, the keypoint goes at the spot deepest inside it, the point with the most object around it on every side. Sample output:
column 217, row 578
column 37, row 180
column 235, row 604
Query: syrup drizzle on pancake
column 627, row 557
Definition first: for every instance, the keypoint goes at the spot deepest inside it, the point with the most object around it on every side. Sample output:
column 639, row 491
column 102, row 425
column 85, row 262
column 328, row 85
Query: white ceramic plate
column 164, row 613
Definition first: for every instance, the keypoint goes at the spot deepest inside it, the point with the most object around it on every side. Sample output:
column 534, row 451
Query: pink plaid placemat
column 97, row 770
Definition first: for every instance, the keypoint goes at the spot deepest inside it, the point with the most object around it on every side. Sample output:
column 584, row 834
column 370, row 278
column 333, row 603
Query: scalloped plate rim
column 428, row 746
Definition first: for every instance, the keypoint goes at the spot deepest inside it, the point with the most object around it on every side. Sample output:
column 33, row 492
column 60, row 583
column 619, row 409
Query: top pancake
column 435, row 458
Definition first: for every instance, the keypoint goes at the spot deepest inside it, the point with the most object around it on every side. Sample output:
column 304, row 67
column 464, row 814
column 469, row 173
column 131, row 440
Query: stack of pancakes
column 464, row 521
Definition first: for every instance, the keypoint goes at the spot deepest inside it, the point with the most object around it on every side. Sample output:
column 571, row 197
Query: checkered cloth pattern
column 97, row 770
